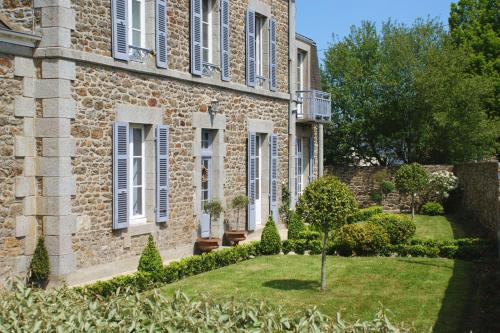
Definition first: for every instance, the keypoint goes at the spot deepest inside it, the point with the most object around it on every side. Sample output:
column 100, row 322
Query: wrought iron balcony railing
column 314, row 106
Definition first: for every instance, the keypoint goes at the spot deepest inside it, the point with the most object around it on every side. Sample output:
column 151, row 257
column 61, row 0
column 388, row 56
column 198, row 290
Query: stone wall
column 93, row 34
column 360, row 180
column 10, row 167
column 98, row 91
column 19, row 12
column 480, row 184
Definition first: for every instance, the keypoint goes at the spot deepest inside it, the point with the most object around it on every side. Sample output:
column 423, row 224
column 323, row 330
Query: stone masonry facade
column 60, row 100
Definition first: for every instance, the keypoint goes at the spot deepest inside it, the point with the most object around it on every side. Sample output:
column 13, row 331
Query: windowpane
column 136, row 14
column 137, row 141
column 137, row 204
column 137, row 171
column 136, row 38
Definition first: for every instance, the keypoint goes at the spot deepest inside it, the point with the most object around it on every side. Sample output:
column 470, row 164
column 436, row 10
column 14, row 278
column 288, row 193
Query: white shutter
column 119, row 12
column 196, row 38
column 272, row 55
column 250, row 40
column 162, row 190
column 224, row 37
column 273, row 186
column 120, row 175
column 161, row 33
column 252, row 152
column 311, row 158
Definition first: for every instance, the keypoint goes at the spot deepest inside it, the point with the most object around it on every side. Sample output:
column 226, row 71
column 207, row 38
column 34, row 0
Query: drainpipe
column 291, row 104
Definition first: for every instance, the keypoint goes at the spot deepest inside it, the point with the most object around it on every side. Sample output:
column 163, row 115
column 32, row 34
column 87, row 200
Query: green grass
column 439, row 228
column 419, row 291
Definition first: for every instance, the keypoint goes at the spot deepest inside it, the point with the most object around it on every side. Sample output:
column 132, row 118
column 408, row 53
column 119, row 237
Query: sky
column 319, row 19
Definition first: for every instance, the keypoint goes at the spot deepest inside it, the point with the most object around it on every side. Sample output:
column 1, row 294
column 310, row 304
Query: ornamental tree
column 326, row 205
column 410, row 180
column 239, row 202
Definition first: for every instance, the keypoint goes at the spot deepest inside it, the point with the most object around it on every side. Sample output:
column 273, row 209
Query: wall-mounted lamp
column 213, row 108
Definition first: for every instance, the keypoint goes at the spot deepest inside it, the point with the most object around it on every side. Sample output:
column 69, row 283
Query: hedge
column 364, row 214
column 174, row 271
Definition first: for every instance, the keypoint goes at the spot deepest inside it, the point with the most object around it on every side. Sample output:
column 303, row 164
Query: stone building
column 121, row 118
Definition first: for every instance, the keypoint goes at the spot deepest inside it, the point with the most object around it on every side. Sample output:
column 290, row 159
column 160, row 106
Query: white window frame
column 137, row 219
column 209, row 24
column 301, row 58
column 206, row 155
column 260, row 24
column 299, row 162
column 142, row 23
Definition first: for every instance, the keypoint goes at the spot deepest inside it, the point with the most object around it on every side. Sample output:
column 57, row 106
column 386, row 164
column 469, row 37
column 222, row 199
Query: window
column 137, row 166
column 299, row 162
column 257, row 166
column 206, row 167
column 206, row 25
column 260, row 22
column 301, row 56
column 137, row 31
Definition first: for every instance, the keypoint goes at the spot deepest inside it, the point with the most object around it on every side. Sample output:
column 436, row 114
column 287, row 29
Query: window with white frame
column 301, row 57
column 207, row 27
column 206, row 167
column 137, row 30
column 260, row 22
column 137, row 175
column 299, row 166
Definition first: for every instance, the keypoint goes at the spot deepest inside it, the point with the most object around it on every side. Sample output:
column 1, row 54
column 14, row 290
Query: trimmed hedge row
column 364, row 214
column 174, row 271
column 466, row 248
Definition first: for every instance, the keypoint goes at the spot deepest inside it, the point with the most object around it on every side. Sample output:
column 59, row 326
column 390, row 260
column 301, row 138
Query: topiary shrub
column 399, row 228
column 387, row 187
column 432, row 209
column 295, row 226
column 310, row 235
column 364, row 214
column 411, row 179
column 361, row 239
column 150, row 261
column 376, row 197
column 39, row 269
column 270, row 241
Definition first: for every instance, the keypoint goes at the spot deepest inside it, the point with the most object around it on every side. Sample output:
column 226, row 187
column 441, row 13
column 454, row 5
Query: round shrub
column 399, row 228
column 432, row 209
column 314, row 247
column 361, row 239
column 270, row 241
column 150, row 261
column 364, row 214
column 295, row 226
column 387, row 187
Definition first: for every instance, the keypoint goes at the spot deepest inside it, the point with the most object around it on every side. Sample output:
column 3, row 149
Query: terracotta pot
column 207, row 244
column 236, row 236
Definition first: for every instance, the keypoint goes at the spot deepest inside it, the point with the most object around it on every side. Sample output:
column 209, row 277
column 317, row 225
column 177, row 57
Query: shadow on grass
column 292, row 284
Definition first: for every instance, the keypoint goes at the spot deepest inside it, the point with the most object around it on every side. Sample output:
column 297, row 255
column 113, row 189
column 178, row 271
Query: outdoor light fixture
column 213, row 107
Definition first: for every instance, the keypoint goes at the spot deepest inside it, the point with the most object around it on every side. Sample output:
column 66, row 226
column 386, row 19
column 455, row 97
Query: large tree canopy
column 404, row 95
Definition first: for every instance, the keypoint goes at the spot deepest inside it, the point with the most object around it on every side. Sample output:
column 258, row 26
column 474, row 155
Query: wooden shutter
column 162, row 190
column 196, row 38
column 272, row 55
column 311, row 158
column 119, row 12
column 224, row 38
column 250, row 27
column 273, row 186
column 252, row 152
column 161, row 33
column 120, row 175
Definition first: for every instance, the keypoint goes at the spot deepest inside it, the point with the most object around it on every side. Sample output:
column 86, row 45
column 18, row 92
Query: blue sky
column 318, row 19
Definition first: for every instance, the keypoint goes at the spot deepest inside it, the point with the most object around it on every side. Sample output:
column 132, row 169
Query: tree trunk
column 323, row 263
column 413, row 207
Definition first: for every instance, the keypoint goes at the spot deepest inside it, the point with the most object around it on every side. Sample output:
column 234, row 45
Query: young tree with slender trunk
column 411, row 179
column 326, row 204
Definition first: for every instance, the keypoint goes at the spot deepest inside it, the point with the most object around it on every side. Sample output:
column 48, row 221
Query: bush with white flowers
column 441, row 183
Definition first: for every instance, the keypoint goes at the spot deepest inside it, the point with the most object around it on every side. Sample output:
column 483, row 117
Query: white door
column 258, row 180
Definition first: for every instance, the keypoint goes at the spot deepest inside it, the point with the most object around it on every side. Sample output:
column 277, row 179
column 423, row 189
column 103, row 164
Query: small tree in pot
column 214, row 209
column 239, row 202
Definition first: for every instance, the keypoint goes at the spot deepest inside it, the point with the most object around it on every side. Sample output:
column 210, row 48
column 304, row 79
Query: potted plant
column 237, row 235
column 214, row 209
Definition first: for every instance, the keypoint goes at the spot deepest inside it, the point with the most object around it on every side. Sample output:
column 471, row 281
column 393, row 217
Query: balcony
column 315, row 106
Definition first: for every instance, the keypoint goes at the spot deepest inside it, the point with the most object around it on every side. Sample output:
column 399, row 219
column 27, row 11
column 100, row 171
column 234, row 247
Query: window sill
column 140, row 227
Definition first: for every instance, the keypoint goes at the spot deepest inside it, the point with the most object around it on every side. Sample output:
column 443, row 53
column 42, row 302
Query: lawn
column 440, row 227
column 422, row 292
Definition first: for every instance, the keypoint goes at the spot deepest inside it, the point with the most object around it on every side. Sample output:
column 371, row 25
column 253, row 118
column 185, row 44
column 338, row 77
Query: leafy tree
column 404, row 95
column 411, row 179
column 239, row 202
column 150, row 260
column 214, row 208
column 475, row 25
column 326, row 204
column 39, row 269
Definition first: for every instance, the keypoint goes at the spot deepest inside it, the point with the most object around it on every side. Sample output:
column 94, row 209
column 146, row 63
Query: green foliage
column 270, row 241
column 399, row 228
column 365, row 213
column 284, row 210
column 376, row 197
column 66, row 310
column 465, row 248
column 407, row 250
column 404, row 93
column 150, row 261
column 411, row 179
column 239, row 202
column 361, row 239
column 432, row 209
column 310, row 235
column 214, row 208
column 387, row 187
column 300, row 246
column 39, row 269
column 295, row 226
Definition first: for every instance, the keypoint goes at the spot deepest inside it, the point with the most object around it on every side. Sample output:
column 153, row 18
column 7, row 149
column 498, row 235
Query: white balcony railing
column 314, row 105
